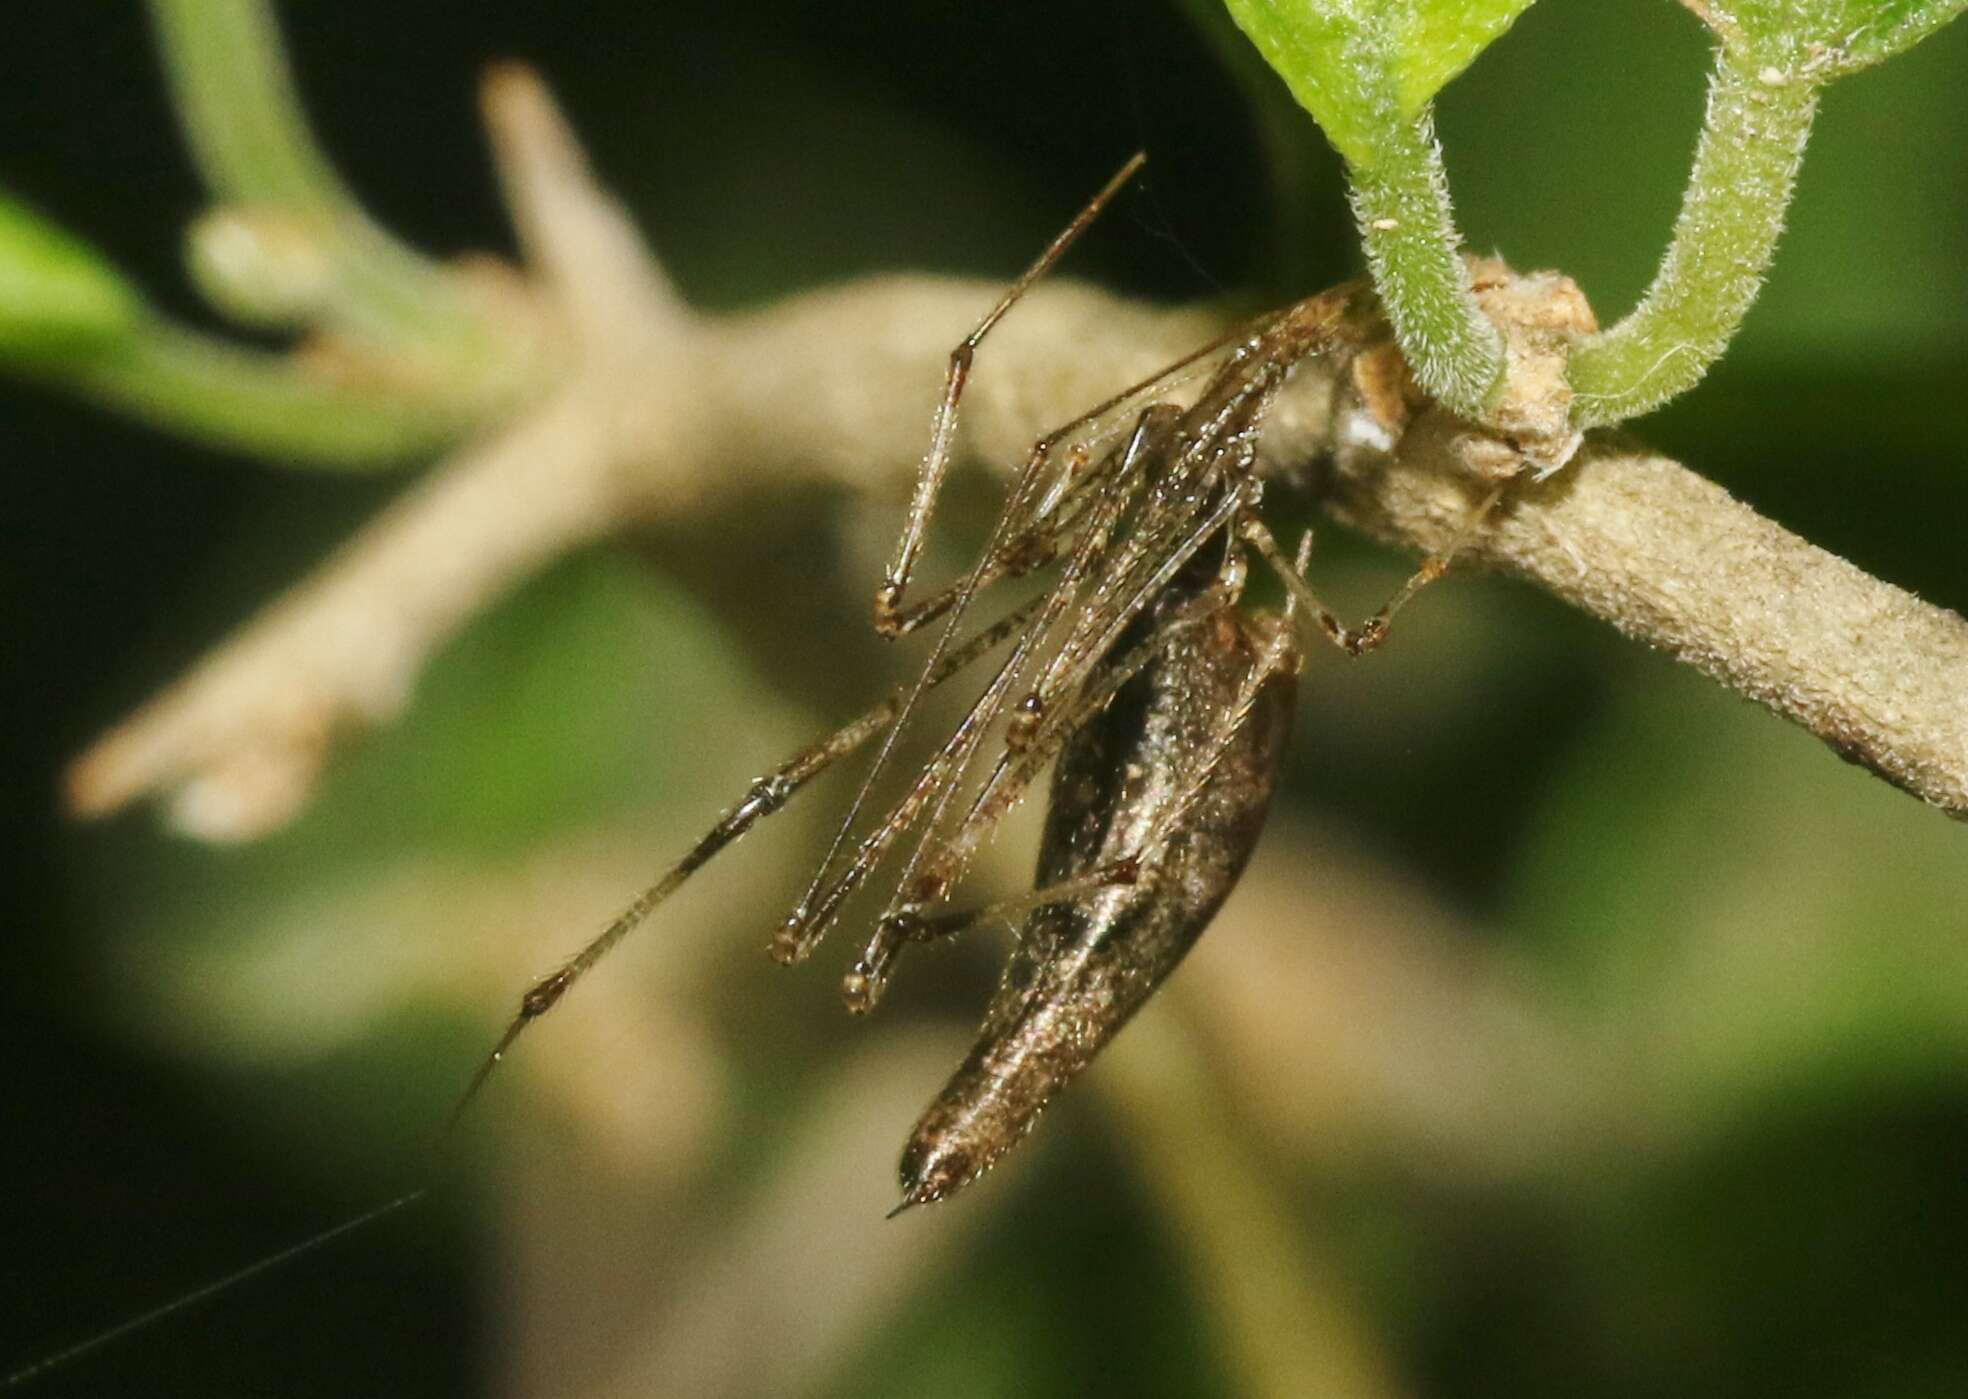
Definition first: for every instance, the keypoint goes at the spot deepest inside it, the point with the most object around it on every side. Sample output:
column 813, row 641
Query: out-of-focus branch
column 239, row 742
column 1671, row 559
column 662, row 413
column 1280, row 1314
column 580, row 243
column 1352, row 1016
column 805, row 1259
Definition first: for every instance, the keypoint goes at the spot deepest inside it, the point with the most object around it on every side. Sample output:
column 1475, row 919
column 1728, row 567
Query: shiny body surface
column 1173, row 780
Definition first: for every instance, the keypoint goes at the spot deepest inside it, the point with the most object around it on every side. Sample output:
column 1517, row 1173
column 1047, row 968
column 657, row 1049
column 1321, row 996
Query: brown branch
column 1671, row 559
column 238, row 743
column 662, row 413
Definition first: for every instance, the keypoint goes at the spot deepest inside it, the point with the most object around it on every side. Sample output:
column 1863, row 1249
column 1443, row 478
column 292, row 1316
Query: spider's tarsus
column 790, row 943
column 858, row 992
column 862, row 987
column 888, row 609
column 1026, row 716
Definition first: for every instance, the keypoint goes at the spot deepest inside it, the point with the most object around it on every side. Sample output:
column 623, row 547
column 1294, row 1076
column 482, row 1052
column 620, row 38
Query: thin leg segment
column 1357, row 641
column 862, row 988
column 943, row 430
column 764, row 797
column 1066, row 698
column 829, row 890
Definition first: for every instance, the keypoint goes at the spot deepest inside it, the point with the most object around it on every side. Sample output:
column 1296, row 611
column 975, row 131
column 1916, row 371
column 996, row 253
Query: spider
column 1162, row 705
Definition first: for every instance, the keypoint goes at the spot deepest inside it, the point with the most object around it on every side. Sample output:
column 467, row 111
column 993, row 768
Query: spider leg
column 1079, row 693
column 1154, row 539
column 1201, row 475
column 1356, row 641
column 1030, row 499
column 1205, row 455
column 943, row 429
column 1210, row 455
column 863, row 986
column 867, row 979
column 1031, row 545
column 1215, row 452
column 1028, row 538
column 765, row 796
column 1167, row 538
column 829, row 890
column 1066, row 698
column 823, row 896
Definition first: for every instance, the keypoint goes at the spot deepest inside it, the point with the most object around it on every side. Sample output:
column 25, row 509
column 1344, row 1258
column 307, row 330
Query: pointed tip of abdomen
column 933, row 1168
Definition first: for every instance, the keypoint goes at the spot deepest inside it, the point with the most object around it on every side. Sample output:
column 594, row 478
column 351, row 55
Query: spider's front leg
column 890, row 617
column 765, row 797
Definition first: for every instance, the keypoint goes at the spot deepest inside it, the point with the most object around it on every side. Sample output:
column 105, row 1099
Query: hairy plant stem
column 1402, row 203
column 1745, row 167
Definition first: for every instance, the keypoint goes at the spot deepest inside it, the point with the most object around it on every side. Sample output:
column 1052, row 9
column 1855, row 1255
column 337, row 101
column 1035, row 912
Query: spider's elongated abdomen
column 1176, row 773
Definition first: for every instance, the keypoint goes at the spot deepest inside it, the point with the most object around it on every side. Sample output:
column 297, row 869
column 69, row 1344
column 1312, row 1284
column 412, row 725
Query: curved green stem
column 242, row 118
column 1745, row 167
column 258, row 403
column 1402, row 203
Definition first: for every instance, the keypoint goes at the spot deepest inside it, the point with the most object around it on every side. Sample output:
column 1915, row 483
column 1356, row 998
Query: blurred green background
column 1656, row 1081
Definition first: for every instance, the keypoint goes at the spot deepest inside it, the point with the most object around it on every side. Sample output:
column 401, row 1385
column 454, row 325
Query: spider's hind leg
column 1109, row 487
column 1077, row 685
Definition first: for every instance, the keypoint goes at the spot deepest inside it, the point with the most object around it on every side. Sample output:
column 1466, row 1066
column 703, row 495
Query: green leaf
column 1362, row 67
column 1827, row 38
column 1440, row 38
column 58, row 296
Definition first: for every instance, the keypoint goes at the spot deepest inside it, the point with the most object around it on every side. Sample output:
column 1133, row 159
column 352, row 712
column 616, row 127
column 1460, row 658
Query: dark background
column 771, row 147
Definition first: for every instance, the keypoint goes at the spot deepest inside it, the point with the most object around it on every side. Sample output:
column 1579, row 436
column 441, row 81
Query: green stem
column 1283, row 1315
column 233, row 92
column 1752, row 142
column 1402, row 203
column 242, row 118
column 261, row 404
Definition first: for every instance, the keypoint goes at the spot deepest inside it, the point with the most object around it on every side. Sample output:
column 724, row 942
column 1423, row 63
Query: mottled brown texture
column 1671, row 560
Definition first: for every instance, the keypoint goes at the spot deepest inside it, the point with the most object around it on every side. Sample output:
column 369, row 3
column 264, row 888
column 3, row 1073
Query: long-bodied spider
column 1162, row 705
